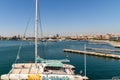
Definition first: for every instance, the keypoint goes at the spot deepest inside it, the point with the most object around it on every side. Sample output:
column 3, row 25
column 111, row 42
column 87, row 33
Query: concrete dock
column 93, row 53
column 101, row 49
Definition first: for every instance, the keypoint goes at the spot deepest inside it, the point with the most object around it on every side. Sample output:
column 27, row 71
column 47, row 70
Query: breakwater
column 112, row 43
column 93, row 53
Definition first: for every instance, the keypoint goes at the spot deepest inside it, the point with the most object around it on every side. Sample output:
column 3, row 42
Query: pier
column 101, row 49
column 93, row 53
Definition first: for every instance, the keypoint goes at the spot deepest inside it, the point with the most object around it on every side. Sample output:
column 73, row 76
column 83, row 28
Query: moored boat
column 42, row 69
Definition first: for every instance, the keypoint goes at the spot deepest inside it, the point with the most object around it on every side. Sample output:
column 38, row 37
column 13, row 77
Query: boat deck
column 26, row 68
column 30, row 68
column 31, row 71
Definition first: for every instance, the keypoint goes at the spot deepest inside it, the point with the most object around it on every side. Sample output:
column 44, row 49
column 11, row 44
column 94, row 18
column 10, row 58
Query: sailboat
column 42, row 69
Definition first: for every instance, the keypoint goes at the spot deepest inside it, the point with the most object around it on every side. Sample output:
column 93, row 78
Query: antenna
column 85, row 59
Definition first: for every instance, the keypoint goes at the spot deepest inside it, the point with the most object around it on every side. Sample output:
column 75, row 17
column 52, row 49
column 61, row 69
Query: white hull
column 40, row 77
column 29, row 71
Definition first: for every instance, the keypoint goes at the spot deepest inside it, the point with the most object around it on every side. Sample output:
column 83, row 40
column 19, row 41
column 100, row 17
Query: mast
column 85, row 59
column 36, row 31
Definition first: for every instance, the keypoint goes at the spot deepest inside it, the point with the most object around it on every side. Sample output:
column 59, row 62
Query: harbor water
column 97, row 67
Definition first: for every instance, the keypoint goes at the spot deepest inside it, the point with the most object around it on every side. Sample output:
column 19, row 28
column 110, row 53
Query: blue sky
column 64, row 17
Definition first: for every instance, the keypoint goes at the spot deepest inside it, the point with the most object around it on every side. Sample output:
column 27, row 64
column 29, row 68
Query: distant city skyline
column 64, row 17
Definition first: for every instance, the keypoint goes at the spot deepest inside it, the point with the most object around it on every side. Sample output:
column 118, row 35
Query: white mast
column 36, row 31
column 85, row 59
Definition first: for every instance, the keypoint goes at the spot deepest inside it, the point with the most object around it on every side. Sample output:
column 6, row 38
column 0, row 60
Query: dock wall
column 93, row 53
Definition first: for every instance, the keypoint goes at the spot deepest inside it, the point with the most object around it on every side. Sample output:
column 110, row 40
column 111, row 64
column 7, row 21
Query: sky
column 64, row 17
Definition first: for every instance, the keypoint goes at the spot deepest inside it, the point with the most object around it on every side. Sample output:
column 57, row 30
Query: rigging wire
column 41, row 31
column 40, row 22
column 20, row 47
column 41, row 34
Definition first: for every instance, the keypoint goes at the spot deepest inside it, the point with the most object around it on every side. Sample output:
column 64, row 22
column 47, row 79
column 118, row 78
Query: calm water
column 97, row 67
